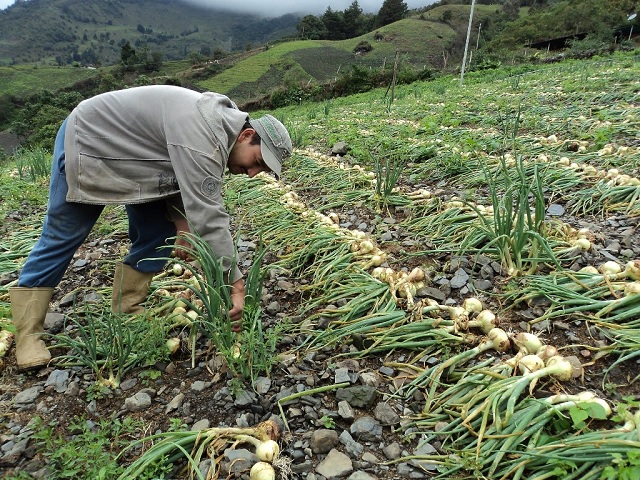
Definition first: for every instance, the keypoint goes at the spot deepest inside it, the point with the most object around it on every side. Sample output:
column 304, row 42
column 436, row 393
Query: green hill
column 93, row 31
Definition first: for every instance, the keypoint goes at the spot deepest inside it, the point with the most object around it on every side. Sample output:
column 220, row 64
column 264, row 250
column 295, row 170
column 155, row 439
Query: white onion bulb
column 262, row 471
column 268, row 451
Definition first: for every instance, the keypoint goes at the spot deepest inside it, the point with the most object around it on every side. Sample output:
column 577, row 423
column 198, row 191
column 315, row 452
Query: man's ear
column 246, row 133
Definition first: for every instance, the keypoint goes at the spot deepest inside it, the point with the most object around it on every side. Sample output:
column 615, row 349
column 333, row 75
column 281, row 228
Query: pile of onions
column 402, row 284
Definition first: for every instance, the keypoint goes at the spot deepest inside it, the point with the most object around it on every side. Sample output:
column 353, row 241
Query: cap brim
column 270, row 158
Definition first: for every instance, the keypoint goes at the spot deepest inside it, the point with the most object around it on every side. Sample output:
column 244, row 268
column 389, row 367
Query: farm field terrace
column 478, row 241
column 519, row 190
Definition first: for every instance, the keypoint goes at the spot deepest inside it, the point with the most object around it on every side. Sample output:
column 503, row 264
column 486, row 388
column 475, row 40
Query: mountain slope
column 93, row 31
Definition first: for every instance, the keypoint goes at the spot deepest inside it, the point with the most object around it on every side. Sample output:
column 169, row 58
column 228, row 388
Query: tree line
column 351, row 22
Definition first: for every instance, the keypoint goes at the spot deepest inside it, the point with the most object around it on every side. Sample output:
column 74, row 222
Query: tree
column 311, row 28
column 391, row 11
column 334, row 23
column 352, row 20
column 128, row 54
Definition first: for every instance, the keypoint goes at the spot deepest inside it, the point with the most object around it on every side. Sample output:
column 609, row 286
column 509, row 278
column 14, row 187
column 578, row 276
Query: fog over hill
column 282, row 7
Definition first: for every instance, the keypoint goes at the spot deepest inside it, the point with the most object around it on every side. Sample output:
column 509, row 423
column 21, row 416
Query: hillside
column 428, row 43
column 93, row 31
column 373, row 372
column 422, row 41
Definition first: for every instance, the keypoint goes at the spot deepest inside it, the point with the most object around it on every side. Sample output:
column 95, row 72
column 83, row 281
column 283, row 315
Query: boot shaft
column 130, row 289
column 29, row 308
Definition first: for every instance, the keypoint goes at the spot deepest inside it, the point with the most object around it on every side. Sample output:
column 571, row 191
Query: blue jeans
column 67, row 225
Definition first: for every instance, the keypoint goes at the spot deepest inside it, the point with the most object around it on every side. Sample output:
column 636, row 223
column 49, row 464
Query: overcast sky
column 280, row 7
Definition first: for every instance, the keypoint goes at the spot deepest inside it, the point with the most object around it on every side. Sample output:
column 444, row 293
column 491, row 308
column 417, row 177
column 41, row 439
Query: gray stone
column 262, row 385
column 555, row 210
column 371, row 379
column 58, row 379
column 273, row 307
column 175, row 403
column 345, row 410
column 460, row 278
column 359, row 396
column 73, row 389
column 430, row 292
column 199, row 386
column 54, row 322
column 140, row 401
column 392, row 451
column 425, row 449
column 360, row 475
column 340, row 148
column 335, row 464
column 480, row 284
column 28, row 396
column 385, row 414
column 323, row 440
column 352, row 447
column 367, row 429
column 386, row 237
column 240, row 459
column 128, row 384
column 245, row 398
column 200, row 425
column 369, row 457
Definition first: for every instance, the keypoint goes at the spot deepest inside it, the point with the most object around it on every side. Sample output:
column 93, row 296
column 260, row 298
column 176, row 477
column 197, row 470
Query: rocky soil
column 354, row 431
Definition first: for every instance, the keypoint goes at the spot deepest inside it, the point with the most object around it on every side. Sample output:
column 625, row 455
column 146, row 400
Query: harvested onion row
column 499, row 454
column 197, row 445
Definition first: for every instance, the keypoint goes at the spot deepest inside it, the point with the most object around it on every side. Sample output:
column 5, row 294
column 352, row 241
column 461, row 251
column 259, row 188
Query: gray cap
column 275, row 142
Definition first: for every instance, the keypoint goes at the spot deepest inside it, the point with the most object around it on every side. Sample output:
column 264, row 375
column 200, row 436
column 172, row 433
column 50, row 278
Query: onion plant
column 33, row 163
column 499, row 452
column 430, row 378
column 110, row 344
column 516, row 234
column 599, row 297
column 388, row 170
column 582, row 456
column 209, row 285
column 197, row 445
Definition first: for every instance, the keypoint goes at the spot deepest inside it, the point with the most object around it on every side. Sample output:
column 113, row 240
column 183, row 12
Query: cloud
column 281, row 7
column 304, row 7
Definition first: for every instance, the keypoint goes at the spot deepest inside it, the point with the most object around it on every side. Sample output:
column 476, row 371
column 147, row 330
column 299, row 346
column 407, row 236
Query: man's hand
column 182, row 226
column 237, row 299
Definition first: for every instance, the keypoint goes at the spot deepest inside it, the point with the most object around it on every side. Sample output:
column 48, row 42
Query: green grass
column 18, row 79
column 254, row 67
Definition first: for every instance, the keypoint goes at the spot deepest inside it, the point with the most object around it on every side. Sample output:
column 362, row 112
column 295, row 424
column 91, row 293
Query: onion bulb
column 416, row 275
column 500, row 339
column 262, row 471
column 376, row 260
column 366, row 247
column 589, row 269
column 632, row 270
column 486, row 320
column 530, row 363
column 527, row 343
column 173, row 344
column 632, row 288
column 472, row 305
column 457, row 313
column 560, row 367
column 177, row 269
column 610, row 268
column 547, row 351
column 6, row 338
column 268, row 451
column 583, row 244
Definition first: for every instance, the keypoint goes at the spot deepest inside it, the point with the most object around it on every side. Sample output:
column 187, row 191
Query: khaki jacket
column 156, row 142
